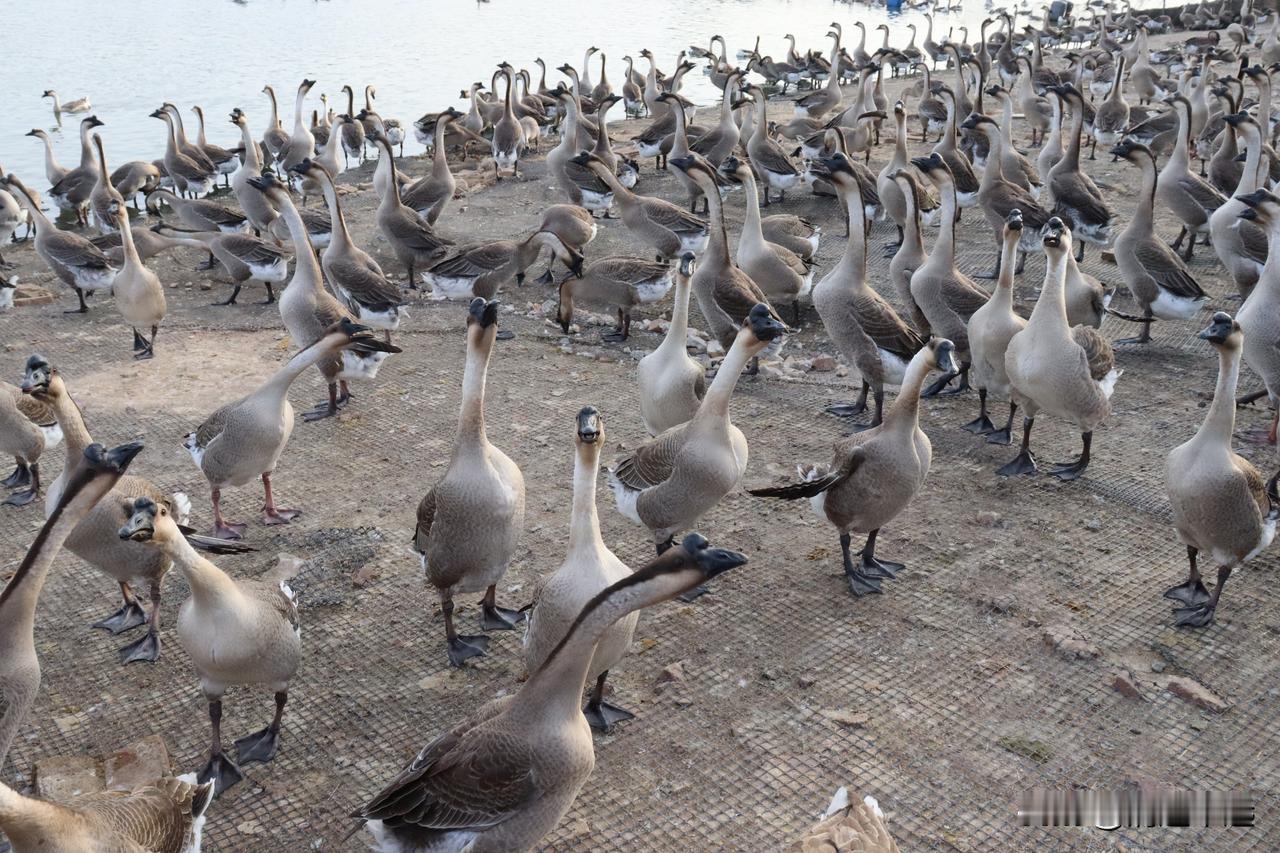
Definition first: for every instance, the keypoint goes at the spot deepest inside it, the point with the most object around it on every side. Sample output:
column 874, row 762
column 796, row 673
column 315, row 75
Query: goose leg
column 1192, row 592
column 21, row 476
column 1024, row 462
column 995, row 273
column 1079, row 251
column 1145, row 335
column 230, row 300
column 618, row 334
column 324, row 410
column 663, row 547
column 84, row 308
column 30, row 494
column 1004, row 435
column 220, row 769
column 460, row 647
column 1201, row 615
column 263, row 745
column 602, row 715
column 272, row 514
column 1021, row 264
column 982, row 424
column 871, row 567
column 212, row 262
column 1073, row 470
column 849, row 410
column 147, row 647
column 878, row 418
column 271, row 296
column 223, row 529
column 148, row 347
column 138, row 343
column 129, row 616
column 495, row 618
column 1177, row 244
column 860, row 583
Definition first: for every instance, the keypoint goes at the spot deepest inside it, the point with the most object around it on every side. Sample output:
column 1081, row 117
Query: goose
column 990, row 329
column 481, row 269
column 431, row 194
column 911, row 254
column 1220, row 504
column 236, row 632
column 873, row 475
column 165, row 816
column 103, row 193
column 275, row 139
column 1112, row 115
column 243, row 440
column 470, row 521
column 946, row 296
column 200, row 214
column 618, row 284
column 859, row 823
column 1065, row 371
column 726, row 295
column 588, row 567
column 720, row 141
column 792, row 232
column 1076, row 198
column 302, row 144
column 776, row 170
column 92, row 540
column 958, row 163
column 818, row 103
column 353, row 135
column 508, row 137
column 27, row 428
column 680, row 148
column 1157, row 278
column 326, row 159
column 1015, row 168
column 1035, row 108
column 188, row 176
column 780, row 273
column 12, row 216
column 998, row 196
column 932, row 111
column 185, row 145
column 1241, row 245
column 1258, row 316
column 53, row 170
column 667, row 483
column 865, row 327
column 632, row 92
column 1189, row 197
column 895, row 204
column 1051, row 150
column 505, row 776
column 412, row 239
column 260, row 212
column 74, row 260
column 672, row 385
column 76, row 105
column 390, row 127
column 602, row 89
column 244, row 257
column 580, row 184
column 138, row 292
column 308, row 309
column 134, row 177
column 355, row 277
column 223, row 160
column 73, row 190
column 573, row 226
column 92, row 474
column 671, row 230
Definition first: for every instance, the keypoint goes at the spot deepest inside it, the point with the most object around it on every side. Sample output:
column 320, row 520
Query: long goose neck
column 74, row 432
column 900, row 144
column 716, row 402
column 275, row 110
column 1181, row 149
column 854, row 260
column 905, row 411
column 1050, row 313
column 1072, row 155
column 949, row 132
column 1220, row 422
column 306, row 268
column 911, row 234
column 1252, row 158
column 277, row 387
column 584, row 526
column 201, row 139
column 86, row 146
column 678, row 333
column 51, row 164
column 718, row 247
column 341, row 239
column 471, row 419
column 751, row 221
column 1003, row 294
column 439, row 160
column 945, row 245
column 1142, row 214
column 210, row 585
column 251, row 161
column 129, row 248
column 297, row 106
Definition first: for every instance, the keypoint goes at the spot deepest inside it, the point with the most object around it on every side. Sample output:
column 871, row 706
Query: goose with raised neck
column 103, row 193
column 782, row 274
column 998, row 197
column 911, row 255
column 990, row 329
column 672, row 385
column 1189, row 197
column 1241, row 245
column 138, row 292
column 670, row 229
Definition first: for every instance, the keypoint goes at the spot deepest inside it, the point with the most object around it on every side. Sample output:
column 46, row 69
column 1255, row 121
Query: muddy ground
column 942, row 697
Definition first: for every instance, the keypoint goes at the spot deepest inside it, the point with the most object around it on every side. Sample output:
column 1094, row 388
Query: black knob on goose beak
column 141, row 523
column 589, row 425
column 482, row 312
column 926, row 164
column 763, row 324
column 301, row 168
column 711, row 561
column 944, row 354
column 1219, row 329
column 1014, row 220
column 686, row 264
column 1235, row 119
column 116, row 459
column 1053, row 230
column 684, row 164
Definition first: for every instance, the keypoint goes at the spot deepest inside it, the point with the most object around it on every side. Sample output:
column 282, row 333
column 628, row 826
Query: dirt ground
column 942, row 697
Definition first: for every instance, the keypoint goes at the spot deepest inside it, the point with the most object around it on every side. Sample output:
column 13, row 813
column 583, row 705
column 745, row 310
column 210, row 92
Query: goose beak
column 1219, row 328
column 945, row 355
column 366, row 344
column 141, row 526
column 115, row 460
column 763, row 324
column 1053, row 232
column 711, row 561
column 589, row 425
column 687, row 264
column 482, row 312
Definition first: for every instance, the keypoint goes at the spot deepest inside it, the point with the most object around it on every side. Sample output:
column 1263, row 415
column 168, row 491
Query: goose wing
column 219, row 214
column 737, row 293
column 367, row 288
column 1097, row 351
column 72, row 250
column 252, row 250
column 653, row 462
column 770, row 157
column 1075, row 196
column 963, row 296
column 1254, row 241
column 1170, row 273
column 477, row 260
column 36, row 411
column 675, row 218
column 586, row 179
column 818, row 479
column 413, row 231
column 1202, row 192
column 884, row 326
column 426, row 515
column 628, row 270
column 156, row 817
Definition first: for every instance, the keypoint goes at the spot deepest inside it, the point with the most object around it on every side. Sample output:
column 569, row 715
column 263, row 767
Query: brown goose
column 1188, row 196
column 671, row 230
column 1076, row 198
column 998, row 197
column 412, row 238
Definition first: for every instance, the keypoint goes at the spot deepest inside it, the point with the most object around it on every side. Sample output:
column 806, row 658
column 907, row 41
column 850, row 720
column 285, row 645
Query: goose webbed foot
column 613, row 337
column 495, row 618
column 1196, row 615
column 230, row 300
column 981, row 425
column 222, row 771
column 878, row 569
column 847, row 410
column 279, row 515
column 1067, row 471
column 206, row 265
column 21, row 498
column 462, row 648
column 1248, row 399
column 861, row 584
column 320, row 412
column 693, row 594
column 1000, row 436
column 145, row 649
column 1023, row 463
column 1192, row 593
column 261, row 746
column 545, row 278
column 129, row 616
column 145, row 355
column 139, row 343
column 229, row 530
column 505, row 335
column 21, row 476
column 871, row 424
column 602, row 715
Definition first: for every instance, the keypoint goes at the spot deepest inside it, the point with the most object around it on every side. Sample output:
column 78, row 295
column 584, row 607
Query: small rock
column 249, row 827
column 137, row 764
column 365, row 575
column 206, row 285
column 682, row 701
column 806, row 681
column 987, row 518
column 1157, row 666
column 1126, row 685
column 63, row 777
column 769, row 675
column 823, row 364
column 1093, row 524
column 1070, row 643
column 672, row 673
column 849, row 719
column 1196, row 693
column 647, row 643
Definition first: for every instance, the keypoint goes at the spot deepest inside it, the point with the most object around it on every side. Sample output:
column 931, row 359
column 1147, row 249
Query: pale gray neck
column 306, row 268
column 716, row 401
column 905, row 411
column 1050, row 312
column 854, row 261
column 1253, row 156
column 471, row 417
column 584, row 526
column 1220, row 423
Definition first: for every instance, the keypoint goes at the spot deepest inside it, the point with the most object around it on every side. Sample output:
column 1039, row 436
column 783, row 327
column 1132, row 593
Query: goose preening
column 470, row 521
column 874, row 474
column 1221, row 506
column 504, row 777
column 588, row 567
column 236, row 632
column 1066, row 371
column 669, row 228
column 848, row 824
column 91, row 475
column 480, row 270
column 243, row 440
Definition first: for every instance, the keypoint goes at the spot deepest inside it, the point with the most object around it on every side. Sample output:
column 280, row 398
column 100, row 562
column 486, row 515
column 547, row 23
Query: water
column 128, row 58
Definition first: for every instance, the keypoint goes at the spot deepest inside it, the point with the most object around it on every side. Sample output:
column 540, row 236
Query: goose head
column 761, row 328
column 482, row 320
column 703, row 173
column 933, row 167
column 49, row 93
column 309, row 167
column 839, row 170
column 733, row 169
column 1133, row 152
column 1013, row 222
column 688, row 263
column 90, row 122
column 37, row 133
column 588, row 160
column 238, row 117
column 148, row 521
column 1056, row 237
column 268, row 185
column 305, row 86
column 590, row 426
column 1223, row 332
column 42, row 380
column 940, row 354
column 1261, row 206
column 981, row 123
column 349, row 335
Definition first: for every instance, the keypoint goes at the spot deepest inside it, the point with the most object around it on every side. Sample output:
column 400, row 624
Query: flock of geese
column 504, row 777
